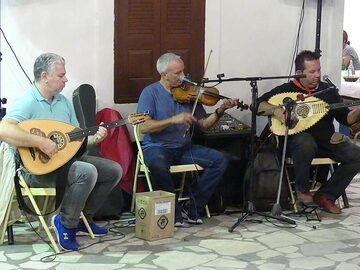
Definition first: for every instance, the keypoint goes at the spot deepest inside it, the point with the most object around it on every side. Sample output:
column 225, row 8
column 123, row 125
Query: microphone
column 327, row 79
column 287, row 100
column 188, row 80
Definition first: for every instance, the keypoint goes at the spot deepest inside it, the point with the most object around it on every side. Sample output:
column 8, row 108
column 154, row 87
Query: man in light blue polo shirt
column 90, row 179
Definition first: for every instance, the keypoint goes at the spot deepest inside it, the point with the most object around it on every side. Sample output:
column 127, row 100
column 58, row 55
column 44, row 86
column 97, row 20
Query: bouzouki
column 305, row 113
column 68, row 139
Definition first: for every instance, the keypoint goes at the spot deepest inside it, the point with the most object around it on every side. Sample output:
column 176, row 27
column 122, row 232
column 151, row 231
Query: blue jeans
column 159, row 159
column 303, row 148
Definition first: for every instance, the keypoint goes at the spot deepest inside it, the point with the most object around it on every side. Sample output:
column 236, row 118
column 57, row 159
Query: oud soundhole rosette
column 302, row 110
column 58, row 138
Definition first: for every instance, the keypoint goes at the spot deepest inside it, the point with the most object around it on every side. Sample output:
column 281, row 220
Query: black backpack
column 267, row 166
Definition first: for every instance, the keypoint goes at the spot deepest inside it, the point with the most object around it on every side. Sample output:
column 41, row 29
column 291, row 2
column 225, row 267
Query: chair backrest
column 84, row 100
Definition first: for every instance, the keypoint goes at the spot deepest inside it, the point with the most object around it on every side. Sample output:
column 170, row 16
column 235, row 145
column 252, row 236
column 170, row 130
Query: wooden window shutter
column 145, row 29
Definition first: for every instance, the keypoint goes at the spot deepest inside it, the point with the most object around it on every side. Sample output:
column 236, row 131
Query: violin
column 209, row 96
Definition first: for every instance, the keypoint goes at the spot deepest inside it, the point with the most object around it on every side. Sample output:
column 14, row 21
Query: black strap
column 61, row 183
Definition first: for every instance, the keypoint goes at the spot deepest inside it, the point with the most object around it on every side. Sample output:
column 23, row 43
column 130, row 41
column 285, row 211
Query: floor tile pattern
column 257, row 243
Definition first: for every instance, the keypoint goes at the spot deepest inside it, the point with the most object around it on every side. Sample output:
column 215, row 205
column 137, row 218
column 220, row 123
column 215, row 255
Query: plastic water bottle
column 351, row 69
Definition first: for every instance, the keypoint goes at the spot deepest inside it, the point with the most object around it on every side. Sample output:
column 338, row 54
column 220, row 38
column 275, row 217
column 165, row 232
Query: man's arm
column 353, row 116
column 11, row 133
column 151, row 125
column 209, row 121
column 267, row 109
column 99, row 136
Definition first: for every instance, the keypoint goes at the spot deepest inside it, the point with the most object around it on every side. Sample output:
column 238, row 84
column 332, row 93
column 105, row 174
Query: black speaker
column 232, row 138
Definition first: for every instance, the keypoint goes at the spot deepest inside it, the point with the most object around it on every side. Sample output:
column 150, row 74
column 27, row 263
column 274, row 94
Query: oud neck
column 82, row 133
column 343, row 105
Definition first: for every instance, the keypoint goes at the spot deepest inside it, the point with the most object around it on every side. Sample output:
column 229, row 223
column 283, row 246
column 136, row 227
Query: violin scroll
column 240, row 105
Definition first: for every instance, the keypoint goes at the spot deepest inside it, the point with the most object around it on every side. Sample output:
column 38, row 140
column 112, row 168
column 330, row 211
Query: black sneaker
column 189, row 219
column 181, row 224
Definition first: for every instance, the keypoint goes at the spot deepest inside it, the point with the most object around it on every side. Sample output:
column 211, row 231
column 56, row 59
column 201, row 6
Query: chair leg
column 345, row 201
column 147, row 175
column 182, row 185
column 314, row 180
column 44, row 210
column 6, row 220
column 10, row 234
column 291, row 191
column 207, row 211
column 135, row 185
column 84, row 219
column 43, row 223
column 46, row 202
column 41, row 218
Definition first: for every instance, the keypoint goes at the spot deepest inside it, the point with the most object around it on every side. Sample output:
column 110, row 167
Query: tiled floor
column 334, row 244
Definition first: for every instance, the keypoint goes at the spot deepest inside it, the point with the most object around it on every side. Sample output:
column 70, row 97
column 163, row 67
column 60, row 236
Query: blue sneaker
column 66, row 237
column 97, row 230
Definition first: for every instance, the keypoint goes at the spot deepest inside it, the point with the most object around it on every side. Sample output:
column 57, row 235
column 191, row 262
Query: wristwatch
column 218, row 114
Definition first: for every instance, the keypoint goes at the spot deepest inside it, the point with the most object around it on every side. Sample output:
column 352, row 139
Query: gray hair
column 164, row 60
column 45, row 62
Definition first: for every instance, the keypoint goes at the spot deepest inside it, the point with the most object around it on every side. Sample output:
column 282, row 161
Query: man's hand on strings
column 100, row 134
column 279, row 113
column 48, row 147
column 227, row 104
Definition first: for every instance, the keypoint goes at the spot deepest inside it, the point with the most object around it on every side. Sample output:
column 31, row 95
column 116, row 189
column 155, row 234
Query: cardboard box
column 154, row 214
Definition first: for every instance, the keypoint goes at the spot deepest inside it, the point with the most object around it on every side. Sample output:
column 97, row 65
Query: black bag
column 267, row 167
column 84, row 100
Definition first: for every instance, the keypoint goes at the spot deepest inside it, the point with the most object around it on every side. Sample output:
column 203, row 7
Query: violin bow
column 199, row 92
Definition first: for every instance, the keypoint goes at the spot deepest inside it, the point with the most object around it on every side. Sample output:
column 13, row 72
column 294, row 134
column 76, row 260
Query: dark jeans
column 303, row 148
column 159, row 160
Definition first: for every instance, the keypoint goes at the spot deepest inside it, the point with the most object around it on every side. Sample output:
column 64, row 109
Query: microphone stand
column 276, row 211
column 250, row 208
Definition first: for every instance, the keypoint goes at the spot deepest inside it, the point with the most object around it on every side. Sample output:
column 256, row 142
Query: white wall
column 256, row 38
column 248, row 38
column 352, row 22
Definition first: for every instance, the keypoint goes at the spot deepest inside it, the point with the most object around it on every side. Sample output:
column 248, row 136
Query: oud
column 305, row 113
column 68, row 139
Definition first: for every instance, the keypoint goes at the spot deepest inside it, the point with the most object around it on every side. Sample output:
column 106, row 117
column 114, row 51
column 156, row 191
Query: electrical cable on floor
column 280, row 223
column 50, row 258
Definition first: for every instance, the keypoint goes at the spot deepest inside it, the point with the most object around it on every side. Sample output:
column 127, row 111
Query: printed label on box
column 162, row 208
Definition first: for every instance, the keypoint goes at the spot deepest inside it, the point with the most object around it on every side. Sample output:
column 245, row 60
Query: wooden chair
column 315, row 162
column 31, row 193
column 144, row 171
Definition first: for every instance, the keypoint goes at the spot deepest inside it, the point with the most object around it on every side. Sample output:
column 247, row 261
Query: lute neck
column 343, row 105
column 82, row 133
